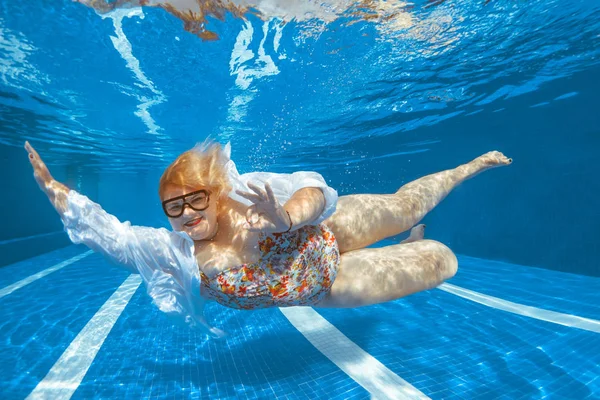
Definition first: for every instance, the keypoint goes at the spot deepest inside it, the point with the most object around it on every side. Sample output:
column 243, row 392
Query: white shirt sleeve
column 164, row 259
column 284, row 186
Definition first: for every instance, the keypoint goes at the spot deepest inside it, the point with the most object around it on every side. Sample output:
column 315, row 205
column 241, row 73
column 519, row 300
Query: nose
column 188, row 211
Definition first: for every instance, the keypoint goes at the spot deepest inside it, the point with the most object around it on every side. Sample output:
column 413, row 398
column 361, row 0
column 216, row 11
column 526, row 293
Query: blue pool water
column 443, row 345
column 370, row 102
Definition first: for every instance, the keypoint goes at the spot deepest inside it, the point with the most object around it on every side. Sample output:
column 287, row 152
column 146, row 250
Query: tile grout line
column 366, row 370
column 66, row 375
column 555, row 317
column 32, row 278
column 20, row 239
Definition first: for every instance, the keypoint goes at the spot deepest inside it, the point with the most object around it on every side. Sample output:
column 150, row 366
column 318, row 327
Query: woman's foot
column 482, row 163
column 492, row 159
column 416, row 233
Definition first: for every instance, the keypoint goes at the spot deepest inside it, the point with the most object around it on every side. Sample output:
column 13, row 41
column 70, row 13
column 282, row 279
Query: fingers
column 262, row 215
column 40, row 170
column 251, row 215
column 270, row 194
column 265, row 195
column 33, row 155
column 259, row 195
column 257, row 190
column 254, row 223
column 250, row 196
column 257, row 226
column 31, row 150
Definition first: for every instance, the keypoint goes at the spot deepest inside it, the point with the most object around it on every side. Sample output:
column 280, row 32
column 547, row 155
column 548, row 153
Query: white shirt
column 165, row 259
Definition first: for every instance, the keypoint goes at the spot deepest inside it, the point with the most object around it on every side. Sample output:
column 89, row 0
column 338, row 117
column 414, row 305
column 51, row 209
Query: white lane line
column 66, row 375
column 32, row 278
column 365, row 369
column 573, row 321
column 20, row 239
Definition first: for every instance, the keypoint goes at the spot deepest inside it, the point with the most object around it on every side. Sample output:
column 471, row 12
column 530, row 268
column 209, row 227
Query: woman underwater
column 267, row 240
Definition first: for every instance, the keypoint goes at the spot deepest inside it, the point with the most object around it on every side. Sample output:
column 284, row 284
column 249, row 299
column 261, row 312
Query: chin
column 202, row 235
column 197, row 236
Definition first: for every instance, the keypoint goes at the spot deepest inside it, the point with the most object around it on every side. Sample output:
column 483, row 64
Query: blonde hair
column 203, row 166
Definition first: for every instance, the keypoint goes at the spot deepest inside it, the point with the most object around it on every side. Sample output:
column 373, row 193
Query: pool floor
column 86, row 329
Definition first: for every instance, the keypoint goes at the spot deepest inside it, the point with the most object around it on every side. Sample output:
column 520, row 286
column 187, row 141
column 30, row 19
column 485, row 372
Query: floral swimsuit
column 295, row 269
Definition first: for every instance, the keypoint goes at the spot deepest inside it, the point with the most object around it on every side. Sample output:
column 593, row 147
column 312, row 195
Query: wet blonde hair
column 202, row 167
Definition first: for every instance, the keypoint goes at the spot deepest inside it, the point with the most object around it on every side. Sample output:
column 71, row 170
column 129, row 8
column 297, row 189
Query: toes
column 418, row 231
column 496, row 158
column 418, row 227
column 503, row 159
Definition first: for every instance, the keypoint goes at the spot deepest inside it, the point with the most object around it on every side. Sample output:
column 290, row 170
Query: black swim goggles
column 197, row 200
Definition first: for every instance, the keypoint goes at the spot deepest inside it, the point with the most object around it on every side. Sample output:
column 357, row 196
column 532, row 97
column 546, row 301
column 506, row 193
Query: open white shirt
column 165, row 259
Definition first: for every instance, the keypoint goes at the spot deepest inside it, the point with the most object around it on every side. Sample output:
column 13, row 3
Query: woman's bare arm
column 56, row 191
column 305, row 206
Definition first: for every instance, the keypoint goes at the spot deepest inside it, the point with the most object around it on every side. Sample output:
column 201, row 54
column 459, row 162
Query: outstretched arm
column 85, row 221
column 164, row 260
column 140, row 249
column 56, row 191
column 133, row 247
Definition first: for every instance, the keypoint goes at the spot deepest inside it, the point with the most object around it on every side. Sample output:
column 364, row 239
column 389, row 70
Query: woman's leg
column 371, row 276
column 363, row 219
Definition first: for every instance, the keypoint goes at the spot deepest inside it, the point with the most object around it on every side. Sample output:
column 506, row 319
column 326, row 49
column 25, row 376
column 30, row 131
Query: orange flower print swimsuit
column 295, row 269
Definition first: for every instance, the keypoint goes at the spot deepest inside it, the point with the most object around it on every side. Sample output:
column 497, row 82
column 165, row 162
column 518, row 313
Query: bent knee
column 445, row 259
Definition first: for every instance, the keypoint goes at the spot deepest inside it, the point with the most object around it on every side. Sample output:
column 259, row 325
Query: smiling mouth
column 193, row 222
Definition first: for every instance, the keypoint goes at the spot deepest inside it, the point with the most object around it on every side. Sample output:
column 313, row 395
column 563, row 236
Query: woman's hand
column 56, row 191
column 266, row 214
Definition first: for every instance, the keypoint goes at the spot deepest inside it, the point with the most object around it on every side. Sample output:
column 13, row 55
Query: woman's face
column 199, row 225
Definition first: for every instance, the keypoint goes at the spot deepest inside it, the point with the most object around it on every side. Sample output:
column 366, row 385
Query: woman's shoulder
column 162, row 239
